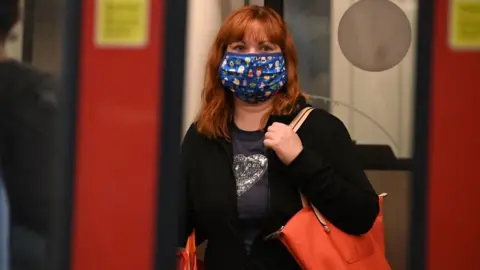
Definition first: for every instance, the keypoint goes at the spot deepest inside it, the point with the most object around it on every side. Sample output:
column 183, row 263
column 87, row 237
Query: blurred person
column 28, row 112
column 242, row 165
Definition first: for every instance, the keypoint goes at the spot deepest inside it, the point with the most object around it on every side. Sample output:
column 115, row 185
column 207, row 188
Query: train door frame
column 421, row 154
column 172, row 117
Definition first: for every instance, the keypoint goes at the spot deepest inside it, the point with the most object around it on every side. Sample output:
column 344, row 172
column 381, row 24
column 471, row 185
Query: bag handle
column 296, row 123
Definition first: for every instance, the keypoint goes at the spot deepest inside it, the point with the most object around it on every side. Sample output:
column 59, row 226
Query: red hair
column 217, row 103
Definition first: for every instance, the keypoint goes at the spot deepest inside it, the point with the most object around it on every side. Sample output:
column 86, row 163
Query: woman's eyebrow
column 262, row 42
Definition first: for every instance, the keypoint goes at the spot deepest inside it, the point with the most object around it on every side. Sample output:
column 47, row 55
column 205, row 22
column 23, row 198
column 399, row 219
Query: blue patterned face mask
column 253, row 78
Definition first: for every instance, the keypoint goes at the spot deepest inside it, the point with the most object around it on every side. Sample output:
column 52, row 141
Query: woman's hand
column 286, row 143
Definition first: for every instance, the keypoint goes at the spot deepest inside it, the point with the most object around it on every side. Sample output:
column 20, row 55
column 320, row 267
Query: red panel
column 454, row 184
column 116, row 173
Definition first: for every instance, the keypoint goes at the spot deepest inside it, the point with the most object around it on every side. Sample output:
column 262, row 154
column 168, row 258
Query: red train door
column 121, row 131
column 452, row 238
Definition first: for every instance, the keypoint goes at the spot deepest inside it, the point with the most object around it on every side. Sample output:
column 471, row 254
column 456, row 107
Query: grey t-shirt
column 250, row 166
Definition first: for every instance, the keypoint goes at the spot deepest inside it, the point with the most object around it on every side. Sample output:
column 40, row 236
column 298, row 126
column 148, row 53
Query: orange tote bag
column 317, row 244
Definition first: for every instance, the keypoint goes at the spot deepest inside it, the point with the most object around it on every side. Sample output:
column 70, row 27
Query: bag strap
column 296, row 123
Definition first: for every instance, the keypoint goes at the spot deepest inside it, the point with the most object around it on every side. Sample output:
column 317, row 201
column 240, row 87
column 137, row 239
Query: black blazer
column 326, row 171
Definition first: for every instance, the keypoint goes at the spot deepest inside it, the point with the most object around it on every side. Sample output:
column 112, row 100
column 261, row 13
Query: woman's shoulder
column 190, row 143
column 320, row 120
column 192, row 134
column 194, row 137
column 324, row 128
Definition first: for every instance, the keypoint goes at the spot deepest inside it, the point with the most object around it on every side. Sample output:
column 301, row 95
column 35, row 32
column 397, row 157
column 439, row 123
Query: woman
column 243, row 166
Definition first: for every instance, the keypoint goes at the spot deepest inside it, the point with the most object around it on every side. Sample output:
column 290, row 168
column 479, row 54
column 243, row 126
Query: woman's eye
column 267, row 49
column 238, row 47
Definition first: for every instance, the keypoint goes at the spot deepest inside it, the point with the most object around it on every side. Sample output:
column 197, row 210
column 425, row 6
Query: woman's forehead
column 255, row 32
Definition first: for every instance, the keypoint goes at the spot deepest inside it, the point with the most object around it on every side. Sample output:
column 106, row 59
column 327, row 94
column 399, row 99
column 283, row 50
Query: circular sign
column 374, row 35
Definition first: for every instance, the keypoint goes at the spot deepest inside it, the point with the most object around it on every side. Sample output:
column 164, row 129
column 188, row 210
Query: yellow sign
column 122, row 23
column 465, row 24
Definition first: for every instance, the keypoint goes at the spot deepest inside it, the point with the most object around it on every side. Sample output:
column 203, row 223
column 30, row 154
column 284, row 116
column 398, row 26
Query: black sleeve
column 186, row 213
column 28, row 149
column 330, row 176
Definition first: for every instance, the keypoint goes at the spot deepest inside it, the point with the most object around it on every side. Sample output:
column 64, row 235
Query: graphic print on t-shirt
column 248, row 170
